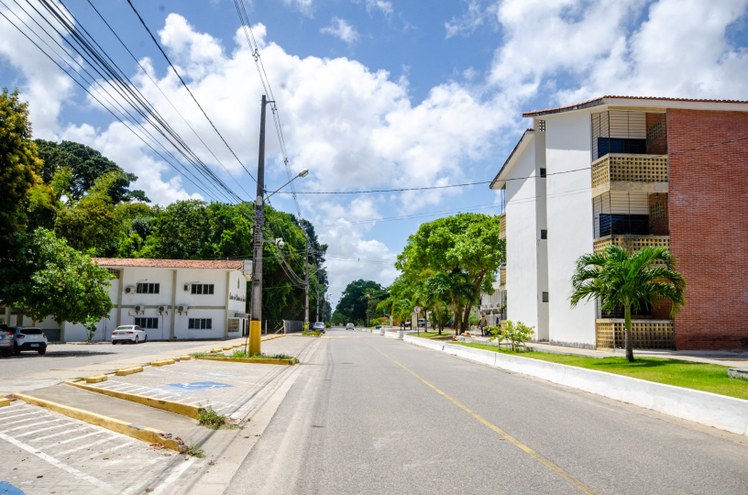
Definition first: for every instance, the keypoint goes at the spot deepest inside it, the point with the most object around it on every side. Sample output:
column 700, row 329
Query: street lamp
column 255, row 324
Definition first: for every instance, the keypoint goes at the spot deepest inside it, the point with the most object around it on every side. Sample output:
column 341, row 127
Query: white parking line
column 14, row 423
column 113, row 449
column 50, row 445
column 61, row 465
column 26, row 413
column 46, row 428
column 91, row 444
column 55, row 434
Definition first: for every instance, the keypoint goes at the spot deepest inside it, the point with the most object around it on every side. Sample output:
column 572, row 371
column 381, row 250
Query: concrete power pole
column 255, row 324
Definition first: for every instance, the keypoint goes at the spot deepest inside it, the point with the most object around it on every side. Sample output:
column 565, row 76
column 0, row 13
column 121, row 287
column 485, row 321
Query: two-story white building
column 170, row 299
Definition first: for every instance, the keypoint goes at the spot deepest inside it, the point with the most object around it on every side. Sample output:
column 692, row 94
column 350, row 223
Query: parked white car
column 29, row 339
column 350, row 326
column 131, row 333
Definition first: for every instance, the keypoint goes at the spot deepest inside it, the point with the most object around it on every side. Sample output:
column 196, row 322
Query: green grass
column 446, row 335
column 195, row 451
column 242, row 354
column 210, row 419
column 688, row 374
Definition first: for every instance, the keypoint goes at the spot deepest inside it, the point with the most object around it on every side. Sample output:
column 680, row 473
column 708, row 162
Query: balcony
column 631, row 172
column 502, row 278
column 502, row 226
column 647, row 334
column 630, row 242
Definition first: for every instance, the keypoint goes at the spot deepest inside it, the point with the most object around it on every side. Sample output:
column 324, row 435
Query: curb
column 165, row 405
column 145, row 434
column 288, row 362
column 718, row 411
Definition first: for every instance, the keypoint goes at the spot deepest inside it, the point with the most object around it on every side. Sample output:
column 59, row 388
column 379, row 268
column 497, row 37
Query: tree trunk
column 628, row 340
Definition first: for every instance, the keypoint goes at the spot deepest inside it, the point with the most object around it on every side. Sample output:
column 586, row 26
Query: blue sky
column 373, row 94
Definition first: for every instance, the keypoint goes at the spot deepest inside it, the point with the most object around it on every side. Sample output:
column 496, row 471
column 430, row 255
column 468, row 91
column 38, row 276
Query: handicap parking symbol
column 193, row 386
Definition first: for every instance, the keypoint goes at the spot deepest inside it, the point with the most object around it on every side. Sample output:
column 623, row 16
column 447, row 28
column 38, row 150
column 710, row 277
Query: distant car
column 319, row 326
column 6, row 339
column 350, row 326
column 29, row 339
column 131, row 333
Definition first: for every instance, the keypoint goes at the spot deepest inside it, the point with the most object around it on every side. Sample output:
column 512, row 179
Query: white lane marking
column 26, row 413
column 174, row 475
column 111, row 450
column 14, row 423
column 60, row 465
column 52, row 435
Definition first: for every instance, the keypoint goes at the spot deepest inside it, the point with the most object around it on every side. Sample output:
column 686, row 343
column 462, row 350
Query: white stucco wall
column 570, row 229
column 522, row 235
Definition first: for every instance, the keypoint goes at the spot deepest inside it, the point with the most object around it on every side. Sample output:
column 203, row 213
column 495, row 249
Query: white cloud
column 472, row 19
column 383, row 6
column 340, row 28
column 306, row 7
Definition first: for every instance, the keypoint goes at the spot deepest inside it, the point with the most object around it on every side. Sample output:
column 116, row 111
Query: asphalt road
column 374, row 415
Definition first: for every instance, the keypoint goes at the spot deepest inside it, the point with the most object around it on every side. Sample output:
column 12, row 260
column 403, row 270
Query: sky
column 369, row 95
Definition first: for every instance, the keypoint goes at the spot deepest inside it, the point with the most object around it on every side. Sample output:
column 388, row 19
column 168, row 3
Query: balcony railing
column 624, row 167
column 647, row 334
column 502, row 278
column 630, row 242
column 502, row 226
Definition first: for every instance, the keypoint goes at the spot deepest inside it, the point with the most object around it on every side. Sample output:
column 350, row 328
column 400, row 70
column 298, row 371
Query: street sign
column 417, row 309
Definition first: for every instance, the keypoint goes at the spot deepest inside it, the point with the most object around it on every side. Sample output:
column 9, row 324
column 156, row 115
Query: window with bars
column 147, row 288
column 200, row 324
column 203, row 288
column 147, row 322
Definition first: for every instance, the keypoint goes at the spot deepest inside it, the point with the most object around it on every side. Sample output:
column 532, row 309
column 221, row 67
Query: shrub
column 517, row 333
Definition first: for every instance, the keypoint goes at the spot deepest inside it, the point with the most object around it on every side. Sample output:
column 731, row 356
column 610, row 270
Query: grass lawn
column 698, row 376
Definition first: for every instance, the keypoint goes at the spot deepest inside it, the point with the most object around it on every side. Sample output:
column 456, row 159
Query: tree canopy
column 359, row 302
column 450, row 260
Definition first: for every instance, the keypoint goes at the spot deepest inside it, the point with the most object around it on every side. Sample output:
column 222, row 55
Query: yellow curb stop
column 4, row 401
column 128, row 371
column 163, row 362
column 96, row 379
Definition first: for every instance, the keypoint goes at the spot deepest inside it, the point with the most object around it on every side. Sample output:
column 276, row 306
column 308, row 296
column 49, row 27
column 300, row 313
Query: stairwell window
column 545, row 297
column 203, row 289
column 200, row 324
column 544, row 234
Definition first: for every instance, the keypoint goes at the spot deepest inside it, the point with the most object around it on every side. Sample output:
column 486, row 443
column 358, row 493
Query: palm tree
column 620, row 280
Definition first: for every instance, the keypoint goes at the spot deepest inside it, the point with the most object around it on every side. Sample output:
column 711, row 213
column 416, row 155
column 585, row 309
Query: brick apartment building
column 634, row 172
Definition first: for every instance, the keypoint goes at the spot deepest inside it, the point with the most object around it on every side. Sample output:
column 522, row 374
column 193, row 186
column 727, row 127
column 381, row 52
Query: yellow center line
column 503, row 434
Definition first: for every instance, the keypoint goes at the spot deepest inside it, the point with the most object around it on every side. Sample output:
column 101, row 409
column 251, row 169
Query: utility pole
column 255, row 324
column 306, row 285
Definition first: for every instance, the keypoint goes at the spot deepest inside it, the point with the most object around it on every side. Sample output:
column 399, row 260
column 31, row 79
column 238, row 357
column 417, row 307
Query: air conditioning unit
column 129, row 289
column 182, row 308
column 161, row 309
column 186, row 287
column 138, row 309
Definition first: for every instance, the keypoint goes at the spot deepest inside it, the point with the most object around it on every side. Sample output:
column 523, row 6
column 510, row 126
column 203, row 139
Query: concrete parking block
column 96, row 379
column 128, row 371
column 4, row 401
column 163, row 362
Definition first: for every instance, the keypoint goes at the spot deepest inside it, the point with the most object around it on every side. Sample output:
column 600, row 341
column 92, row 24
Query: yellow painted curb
column 4, row 401
column 165, row 405
column 144, row 434
column 96, row 379
column 183, row 358
column 163, row 362
column 289, row 362
column 128, row 371
column 228, row 348
column 217, row 349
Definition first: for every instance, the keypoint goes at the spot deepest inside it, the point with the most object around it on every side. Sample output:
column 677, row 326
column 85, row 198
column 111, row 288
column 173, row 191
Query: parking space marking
column 46, row 428
column 62, row 442
column 67, row 430
column 87, row 445
column 59, row 464
column 111, row 450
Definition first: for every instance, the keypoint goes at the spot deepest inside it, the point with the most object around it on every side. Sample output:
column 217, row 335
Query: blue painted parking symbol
column 199, row 385
column 8, row 489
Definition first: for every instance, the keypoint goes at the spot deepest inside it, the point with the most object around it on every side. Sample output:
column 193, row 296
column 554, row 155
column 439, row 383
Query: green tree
column 64, row 284
column 83, row 166
column 464, row 250
column 19, row 164
column 618, row 279
column 357, row 298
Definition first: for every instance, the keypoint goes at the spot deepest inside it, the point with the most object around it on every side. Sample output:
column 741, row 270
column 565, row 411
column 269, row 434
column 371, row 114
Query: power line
column 168, row 60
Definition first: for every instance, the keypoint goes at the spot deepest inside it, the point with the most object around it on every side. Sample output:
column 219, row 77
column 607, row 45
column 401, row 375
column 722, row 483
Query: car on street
column 319, row 326
column 29, row 339
column 349, row 326
column 6, row 339
column 129, row 333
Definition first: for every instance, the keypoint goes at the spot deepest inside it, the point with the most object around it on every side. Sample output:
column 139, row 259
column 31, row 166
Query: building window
column 542, row 172
column 146, row 288
column 541, row 125
column 200, row 324
column 114, row 273
column 611, row 224
column 149, row 322
column 544, row 234
column 545, row 297
column 202, row 288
